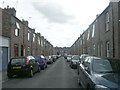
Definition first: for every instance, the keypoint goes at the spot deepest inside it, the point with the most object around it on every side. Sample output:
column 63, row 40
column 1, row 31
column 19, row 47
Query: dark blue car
column 97, row 73
column 42, row 61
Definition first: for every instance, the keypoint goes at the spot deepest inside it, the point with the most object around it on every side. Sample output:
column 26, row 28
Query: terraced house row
column 18, row 39
column 102, row 37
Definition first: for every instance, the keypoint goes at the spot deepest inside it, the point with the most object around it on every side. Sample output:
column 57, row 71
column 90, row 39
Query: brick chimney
column 33, row 30
column 11, row 11
column 38, row 34
column 25, row 22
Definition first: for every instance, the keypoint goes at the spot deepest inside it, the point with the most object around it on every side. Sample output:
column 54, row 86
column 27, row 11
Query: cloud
column 54, row 13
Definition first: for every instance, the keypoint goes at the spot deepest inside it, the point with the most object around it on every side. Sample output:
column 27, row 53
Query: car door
column 45, row 62
column 82, row 72
column 86, row 72
column 35, row 64
column 32, row 63
column 43, row 58
column 80, row 75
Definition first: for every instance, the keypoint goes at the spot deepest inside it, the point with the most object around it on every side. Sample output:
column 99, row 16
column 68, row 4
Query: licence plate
column 19, row 67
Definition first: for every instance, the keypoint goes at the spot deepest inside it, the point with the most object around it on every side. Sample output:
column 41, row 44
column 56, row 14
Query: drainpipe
column 113, row 30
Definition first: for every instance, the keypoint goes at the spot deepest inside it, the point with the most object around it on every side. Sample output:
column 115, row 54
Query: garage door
column 4, row 57
column 0, row 58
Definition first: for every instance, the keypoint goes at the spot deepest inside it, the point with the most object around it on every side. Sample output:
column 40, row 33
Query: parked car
column 100, row 73
column 82, row 58
column 49, row 59
column 65, row 56
column 74, row 61
column 42, row 61
column 54, row 57
column 22, row 65
column 69, row 58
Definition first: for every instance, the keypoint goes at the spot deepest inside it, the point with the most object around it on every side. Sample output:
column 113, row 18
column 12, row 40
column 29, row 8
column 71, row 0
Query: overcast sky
column 60, row 21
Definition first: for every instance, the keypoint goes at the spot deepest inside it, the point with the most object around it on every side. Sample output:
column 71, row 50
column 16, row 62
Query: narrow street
column 57, row 75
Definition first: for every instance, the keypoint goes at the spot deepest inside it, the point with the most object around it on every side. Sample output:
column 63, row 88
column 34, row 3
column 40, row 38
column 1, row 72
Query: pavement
column 3, row 76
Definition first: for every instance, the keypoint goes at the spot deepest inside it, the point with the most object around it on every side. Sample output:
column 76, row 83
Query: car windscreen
column 37, row 58
column 83, row 57
column 47, row 58
column 69, row 57
column 18, row 61
column 75, row 57
column 106, row 66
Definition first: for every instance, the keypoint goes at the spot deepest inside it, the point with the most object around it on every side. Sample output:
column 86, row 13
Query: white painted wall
column 4, row 42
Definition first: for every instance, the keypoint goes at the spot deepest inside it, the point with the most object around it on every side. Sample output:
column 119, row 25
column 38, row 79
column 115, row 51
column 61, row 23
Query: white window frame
column 16, row 32
column 39, row 40
column 33, row 37
column 41, row 43
column 88, row 35
column 28, row 36
column 80, row 41
column 101, row 49
column 83, row 42
column 17, row 24
column 94, row 47
column 107, row 18
column 28, row 49
column 108, row 49
column 98, row 50
column 93, row 30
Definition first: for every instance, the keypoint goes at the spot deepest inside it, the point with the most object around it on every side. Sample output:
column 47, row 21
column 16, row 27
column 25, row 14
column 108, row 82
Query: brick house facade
column 23, row 39
column 102, row 36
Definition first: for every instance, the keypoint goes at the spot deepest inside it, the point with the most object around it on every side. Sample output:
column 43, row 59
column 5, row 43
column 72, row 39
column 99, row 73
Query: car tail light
column 26, row 61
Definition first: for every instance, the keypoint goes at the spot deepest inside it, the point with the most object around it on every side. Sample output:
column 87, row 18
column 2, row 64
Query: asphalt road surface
column 57, row 75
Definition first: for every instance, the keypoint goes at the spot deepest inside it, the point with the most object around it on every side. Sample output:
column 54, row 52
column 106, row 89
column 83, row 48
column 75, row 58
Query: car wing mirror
column 87, row 69
column 81, row 61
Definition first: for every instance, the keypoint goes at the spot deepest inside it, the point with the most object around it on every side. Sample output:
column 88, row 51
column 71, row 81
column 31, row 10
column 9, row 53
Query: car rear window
column 106, row 66
column 18, row 61
column 37, row 58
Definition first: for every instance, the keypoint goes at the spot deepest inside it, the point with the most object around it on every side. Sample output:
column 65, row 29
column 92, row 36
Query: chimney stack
column 11, row 11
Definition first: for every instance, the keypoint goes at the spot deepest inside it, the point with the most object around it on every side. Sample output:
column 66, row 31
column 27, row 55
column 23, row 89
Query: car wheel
column 39, row 69
column 88, row 87
column 79, row 81
column 31, row 73
column 43, row 68
column 9, row 75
